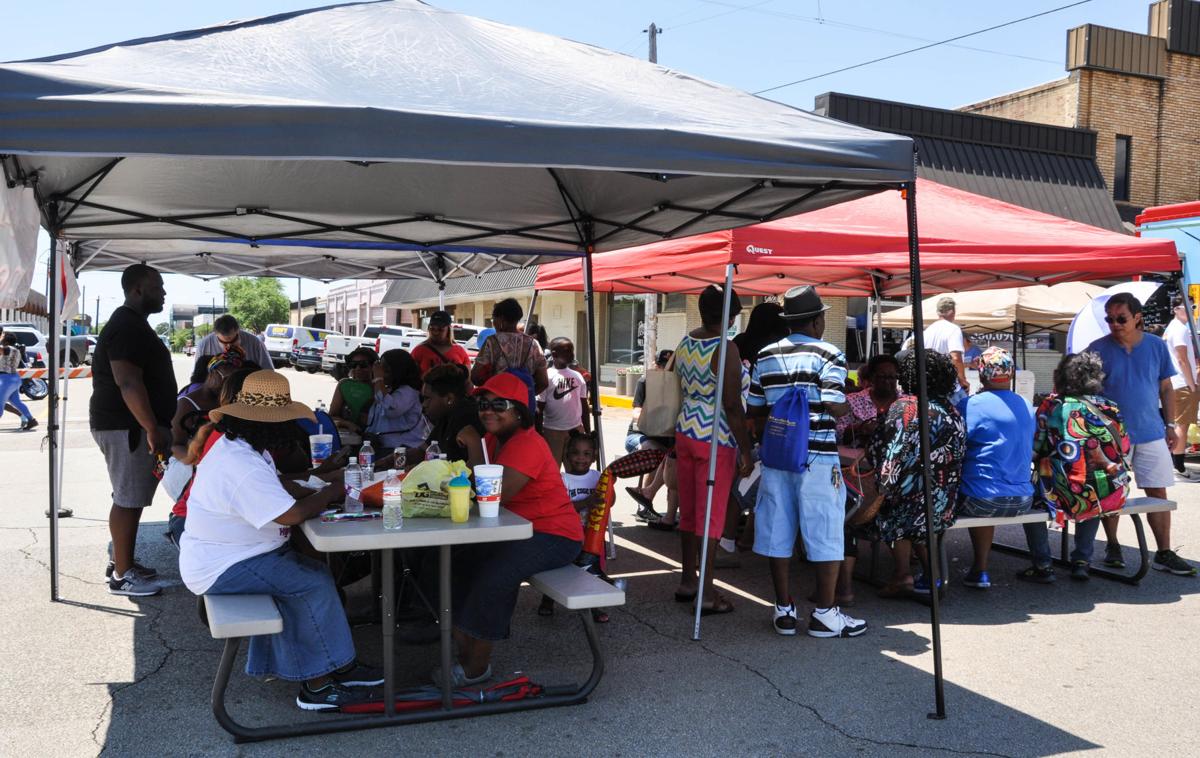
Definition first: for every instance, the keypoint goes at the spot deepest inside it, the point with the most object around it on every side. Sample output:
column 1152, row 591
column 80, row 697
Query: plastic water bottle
column 353, row 488
column 321, row 407
column 393, row 517
column 434, row 452
column 366, row 461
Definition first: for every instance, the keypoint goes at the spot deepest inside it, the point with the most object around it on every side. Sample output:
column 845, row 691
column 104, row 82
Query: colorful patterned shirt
column 1082, row 469
column 698, row 388
column 816, row 366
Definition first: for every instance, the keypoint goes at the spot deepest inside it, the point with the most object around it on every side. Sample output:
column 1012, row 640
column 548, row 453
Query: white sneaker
column 1186, row 476
column 785, row 620
column 833, row 623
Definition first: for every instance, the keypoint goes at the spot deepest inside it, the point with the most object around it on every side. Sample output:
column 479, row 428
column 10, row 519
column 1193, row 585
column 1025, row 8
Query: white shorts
column 1152, row 465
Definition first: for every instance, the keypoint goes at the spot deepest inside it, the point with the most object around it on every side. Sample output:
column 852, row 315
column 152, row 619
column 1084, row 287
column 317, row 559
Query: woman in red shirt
column 487, row 577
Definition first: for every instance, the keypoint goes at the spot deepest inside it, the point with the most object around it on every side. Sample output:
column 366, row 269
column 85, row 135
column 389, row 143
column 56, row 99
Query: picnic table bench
column 234, row 618
column 1134, row 507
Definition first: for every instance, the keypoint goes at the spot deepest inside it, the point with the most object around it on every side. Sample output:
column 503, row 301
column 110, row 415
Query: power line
column 733, row 9
column 922, row 47
column 822, row 21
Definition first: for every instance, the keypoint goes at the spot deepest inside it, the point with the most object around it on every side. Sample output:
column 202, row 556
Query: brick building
column 1140, row 93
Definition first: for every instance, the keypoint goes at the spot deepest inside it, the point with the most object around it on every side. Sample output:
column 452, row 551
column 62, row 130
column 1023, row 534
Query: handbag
column 660, row 410
column 176, row 477
column 863, row 498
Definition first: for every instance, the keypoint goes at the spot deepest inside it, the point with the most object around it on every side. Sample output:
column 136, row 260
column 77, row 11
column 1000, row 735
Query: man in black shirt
column 133, row 400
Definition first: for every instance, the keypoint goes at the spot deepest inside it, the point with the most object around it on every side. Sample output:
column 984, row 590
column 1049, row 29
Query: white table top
column 369, row 534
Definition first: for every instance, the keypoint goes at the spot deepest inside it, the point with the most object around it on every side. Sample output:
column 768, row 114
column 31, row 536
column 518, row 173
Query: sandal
column 893, row 590
column 719, row 606
column 663, row 525
column 645, row 505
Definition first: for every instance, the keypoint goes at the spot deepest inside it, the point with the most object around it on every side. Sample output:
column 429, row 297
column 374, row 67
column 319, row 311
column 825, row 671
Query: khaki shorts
column 1187, row 403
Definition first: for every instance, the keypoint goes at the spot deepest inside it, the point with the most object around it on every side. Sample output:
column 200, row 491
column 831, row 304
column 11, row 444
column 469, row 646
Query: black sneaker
column 1080, row 571
column 145, row 572
column 332, row 697
column 359, row 675
column 1037, row 575
column 1167, row 560
column 1113, row 558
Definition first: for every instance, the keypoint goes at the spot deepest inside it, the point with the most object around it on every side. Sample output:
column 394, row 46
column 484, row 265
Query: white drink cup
column 489, row 478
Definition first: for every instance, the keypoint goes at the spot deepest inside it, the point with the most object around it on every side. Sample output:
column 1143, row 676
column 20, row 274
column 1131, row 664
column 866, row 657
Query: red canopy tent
column 860, row 248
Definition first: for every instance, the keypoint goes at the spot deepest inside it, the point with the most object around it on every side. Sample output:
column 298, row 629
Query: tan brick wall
column 835, row 321
column 1052, row 103
column 1113, row 104
column 1180, row 174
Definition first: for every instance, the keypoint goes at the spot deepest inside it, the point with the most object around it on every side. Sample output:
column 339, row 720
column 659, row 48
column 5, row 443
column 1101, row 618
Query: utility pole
column 650, row 331
column 97, row 314
column 299, row 305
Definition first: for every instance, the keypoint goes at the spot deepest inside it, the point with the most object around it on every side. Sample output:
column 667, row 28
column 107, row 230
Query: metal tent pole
column 53, row 301
column 589, row 299
column 914, row 272
column 712, row 448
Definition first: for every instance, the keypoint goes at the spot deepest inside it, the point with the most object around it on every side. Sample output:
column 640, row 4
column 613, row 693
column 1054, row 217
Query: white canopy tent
column 392, row 139
column 1038, row 306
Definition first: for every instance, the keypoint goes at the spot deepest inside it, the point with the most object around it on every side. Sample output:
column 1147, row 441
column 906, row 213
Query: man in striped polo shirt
column 811, row 501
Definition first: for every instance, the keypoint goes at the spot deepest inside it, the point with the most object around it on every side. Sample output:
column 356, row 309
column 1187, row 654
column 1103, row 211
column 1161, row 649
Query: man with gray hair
column 946, row 337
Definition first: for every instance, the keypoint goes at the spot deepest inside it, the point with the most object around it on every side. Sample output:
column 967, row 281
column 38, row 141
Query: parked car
column 307, row 357
column 337, row 347
column 399, row 338
column 282, row 339
column 35, row 342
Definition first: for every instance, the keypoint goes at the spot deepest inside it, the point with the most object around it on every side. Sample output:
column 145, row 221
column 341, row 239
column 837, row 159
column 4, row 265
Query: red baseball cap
column 508, row 386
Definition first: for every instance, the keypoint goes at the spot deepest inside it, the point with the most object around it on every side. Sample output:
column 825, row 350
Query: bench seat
column 231, row 616
column 575, row 589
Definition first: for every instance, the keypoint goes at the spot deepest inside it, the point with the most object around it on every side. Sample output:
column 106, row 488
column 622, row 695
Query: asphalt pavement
column 1097, row 667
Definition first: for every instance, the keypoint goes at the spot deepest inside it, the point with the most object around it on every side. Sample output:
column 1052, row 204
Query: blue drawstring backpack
column 785, row 438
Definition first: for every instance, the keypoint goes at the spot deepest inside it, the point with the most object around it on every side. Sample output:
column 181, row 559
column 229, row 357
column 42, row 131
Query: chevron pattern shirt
column 698, row 387
column 820, row 369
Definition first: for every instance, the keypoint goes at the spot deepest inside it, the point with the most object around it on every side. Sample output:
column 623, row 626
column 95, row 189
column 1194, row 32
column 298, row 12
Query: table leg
column 444, row 621
column 387, row 614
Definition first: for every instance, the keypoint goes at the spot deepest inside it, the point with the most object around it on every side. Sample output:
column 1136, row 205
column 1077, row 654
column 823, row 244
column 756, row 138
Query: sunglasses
column 1117, row 320
column 359, row 364
column 499, row 405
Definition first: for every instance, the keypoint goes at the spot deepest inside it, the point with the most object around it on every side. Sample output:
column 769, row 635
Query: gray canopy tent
column 392, row 139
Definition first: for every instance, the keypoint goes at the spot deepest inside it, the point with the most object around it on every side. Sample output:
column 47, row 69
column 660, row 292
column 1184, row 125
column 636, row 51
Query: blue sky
column 749, row 44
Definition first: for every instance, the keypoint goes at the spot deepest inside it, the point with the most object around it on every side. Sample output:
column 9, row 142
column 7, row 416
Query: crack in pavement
column 152, row 621
column 811, row 709
column 27, row 552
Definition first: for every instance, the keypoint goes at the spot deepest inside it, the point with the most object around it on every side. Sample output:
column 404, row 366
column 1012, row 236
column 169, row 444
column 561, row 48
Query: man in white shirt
column 226, row 333
column 1183, row 356
column 946, row 337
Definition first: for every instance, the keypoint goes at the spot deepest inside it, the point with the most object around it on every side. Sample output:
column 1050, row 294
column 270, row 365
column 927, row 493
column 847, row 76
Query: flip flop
column 663, row 526
column 719, row 607
column 644, row 503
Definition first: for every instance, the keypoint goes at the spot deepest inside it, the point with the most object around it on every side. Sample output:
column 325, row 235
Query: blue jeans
column 1036, row 533
column 1085, row 541
column 316, row 636
column 10, row 392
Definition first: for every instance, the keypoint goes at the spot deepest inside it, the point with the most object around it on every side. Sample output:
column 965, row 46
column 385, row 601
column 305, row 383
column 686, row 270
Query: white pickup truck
column 378, row 337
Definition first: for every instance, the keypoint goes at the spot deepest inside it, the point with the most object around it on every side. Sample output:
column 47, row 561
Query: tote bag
column 660, row 411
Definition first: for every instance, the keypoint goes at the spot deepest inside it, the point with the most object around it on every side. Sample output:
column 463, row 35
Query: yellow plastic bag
column 424, row 493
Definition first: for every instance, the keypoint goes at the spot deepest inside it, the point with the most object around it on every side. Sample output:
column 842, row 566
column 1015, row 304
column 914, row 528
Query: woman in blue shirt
column 395, row 418
column 997, row 475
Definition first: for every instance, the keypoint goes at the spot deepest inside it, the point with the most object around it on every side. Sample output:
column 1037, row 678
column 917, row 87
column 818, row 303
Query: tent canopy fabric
column 392, row 139
column 860, row 248
column 996, row 310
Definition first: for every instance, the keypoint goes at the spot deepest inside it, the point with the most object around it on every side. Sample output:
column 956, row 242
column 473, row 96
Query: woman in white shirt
column 239, row 516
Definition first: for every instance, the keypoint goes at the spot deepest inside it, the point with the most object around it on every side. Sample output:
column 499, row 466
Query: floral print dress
column 895, row 450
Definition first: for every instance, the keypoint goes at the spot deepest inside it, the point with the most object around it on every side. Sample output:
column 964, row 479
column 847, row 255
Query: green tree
column 163, row 328
column 255, row 302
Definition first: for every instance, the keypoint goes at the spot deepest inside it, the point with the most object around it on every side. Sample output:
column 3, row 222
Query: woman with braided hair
column 896, row 452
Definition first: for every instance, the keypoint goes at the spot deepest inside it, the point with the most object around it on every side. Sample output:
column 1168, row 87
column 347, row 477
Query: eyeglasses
column 228, row 341
column 499, row 405
column 1117, row 320
column 359, row 364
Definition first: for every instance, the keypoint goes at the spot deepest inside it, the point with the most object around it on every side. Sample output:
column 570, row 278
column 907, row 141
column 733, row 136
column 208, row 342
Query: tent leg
column 914, row 272
column 53, row 296
column 589, row 297
column 712, row 449
column 1191, row 322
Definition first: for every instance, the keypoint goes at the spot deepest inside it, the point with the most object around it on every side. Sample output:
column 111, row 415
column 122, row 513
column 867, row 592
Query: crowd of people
column 1116, row 418
column 234, row 444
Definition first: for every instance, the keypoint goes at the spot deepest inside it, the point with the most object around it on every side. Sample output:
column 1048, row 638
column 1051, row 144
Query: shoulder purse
column 660, row 411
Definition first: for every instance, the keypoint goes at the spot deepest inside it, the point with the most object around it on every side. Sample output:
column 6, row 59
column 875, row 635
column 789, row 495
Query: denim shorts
column 316, row 636
column 488, row 576
column 812, row 501
column 992, row 507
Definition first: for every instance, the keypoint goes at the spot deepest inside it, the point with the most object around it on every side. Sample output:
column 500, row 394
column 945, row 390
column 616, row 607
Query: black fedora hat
column 801, row 303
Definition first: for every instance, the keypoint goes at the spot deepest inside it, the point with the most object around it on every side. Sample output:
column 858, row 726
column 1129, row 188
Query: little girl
column 580, row 477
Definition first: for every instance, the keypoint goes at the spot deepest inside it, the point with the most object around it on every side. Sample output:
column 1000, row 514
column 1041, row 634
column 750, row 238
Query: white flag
column 18, row 244
column 68, row 288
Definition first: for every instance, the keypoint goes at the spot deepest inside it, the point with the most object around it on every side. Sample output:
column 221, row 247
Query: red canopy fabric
column 967, row 242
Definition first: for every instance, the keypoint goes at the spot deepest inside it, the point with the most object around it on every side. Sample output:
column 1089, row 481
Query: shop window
column 673, row 303
column 1121, row 160
column 626, row 328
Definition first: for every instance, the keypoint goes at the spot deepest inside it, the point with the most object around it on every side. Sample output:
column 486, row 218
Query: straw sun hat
column 265, row 397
